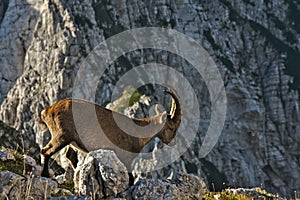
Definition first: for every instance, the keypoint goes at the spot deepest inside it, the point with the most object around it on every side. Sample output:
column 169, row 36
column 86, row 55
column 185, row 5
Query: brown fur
column 59, row 119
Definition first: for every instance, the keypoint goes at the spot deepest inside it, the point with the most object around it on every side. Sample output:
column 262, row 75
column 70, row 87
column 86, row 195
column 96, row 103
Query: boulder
column 14, row 186
column 183, row 186
column 101, row 175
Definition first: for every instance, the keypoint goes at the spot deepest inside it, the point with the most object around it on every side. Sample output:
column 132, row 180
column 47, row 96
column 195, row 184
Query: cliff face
column 254, row 44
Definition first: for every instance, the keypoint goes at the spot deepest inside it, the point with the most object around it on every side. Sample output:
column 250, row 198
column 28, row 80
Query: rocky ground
column 102, row 176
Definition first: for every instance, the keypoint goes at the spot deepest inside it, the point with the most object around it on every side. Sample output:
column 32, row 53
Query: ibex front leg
column 55, row 144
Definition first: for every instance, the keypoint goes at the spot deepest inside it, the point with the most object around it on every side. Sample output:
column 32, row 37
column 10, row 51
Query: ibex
column 84, row 134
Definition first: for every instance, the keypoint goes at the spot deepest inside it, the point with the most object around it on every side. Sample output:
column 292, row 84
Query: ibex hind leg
column 51, row 148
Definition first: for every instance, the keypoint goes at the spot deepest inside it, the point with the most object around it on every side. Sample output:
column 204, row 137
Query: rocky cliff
column 255, row 45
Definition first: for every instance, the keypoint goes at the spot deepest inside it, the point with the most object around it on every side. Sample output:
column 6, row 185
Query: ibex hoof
column 43, row 151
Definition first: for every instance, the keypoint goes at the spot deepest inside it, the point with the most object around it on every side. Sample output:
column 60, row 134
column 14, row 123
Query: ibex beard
column 85, row 134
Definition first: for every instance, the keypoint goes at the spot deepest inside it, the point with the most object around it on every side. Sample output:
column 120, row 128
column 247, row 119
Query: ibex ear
column 162, row 117
column 40, row 117
column 158, row 111
column 43, row 113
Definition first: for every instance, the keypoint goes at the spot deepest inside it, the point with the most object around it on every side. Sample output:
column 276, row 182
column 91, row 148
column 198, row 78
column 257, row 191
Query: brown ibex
column 84, row 134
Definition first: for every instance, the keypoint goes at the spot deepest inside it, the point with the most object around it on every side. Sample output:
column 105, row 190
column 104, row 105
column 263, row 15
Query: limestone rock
column 6, row 155
column 14, row 186
column 71, row 197
column 15, row 140
column 183, row 186
column 101, row 175
column 18, row 21
column 36, row 169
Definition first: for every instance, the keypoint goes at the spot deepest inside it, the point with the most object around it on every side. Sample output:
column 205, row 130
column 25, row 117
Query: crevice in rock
column 3, row 8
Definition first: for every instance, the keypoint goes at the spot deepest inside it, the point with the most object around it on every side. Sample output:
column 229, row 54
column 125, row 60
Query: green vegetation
column 69, row 186
column 130, row 95
column 128, row 98
column 135, row 97
column 226, row 195
column 16, row 166
column 12, row 139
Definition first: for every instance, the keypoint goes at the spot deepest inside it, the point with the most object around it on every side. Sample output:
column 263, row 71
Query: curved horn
column 176, row 111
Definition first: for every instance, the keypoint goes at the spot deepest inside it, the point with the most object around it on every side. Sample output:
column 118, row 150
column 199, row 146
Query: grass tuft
column 224, row 195
column 16, row 166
